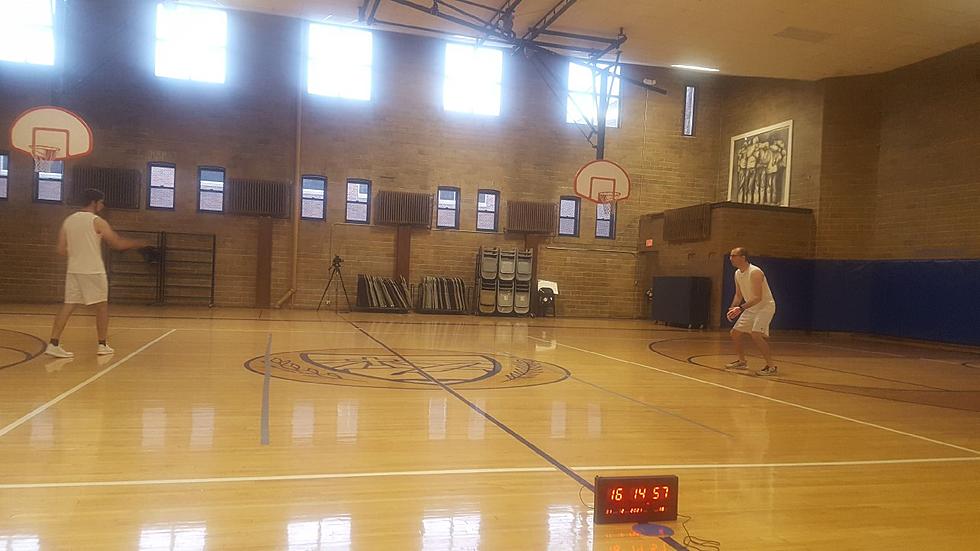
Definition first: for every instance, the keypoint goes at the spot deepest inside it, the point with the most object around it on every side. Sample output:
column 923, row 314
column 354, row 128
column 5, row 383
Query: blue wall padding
column 842, row 295
column 936, row 300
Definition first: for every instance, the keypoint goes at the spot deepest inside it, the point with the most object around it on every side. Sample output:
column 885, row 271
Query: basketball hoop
column 609, row 197
column 44, row 157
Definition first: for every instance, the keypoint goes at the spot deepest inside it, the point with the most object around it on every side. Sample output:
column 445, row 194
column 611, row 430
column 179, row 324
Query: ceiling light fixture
column 696, row 68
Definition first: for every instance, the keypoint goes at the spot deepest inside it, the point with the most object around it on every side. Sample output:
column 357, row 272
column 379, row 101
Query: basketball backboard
column 602, row 181
column 51, row 133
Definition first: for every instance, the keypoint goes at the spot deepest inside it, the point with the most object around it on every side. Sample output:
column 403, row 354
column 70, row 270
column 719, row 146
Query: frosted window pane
column 566, row 226
column 162, row 197
column 357, row 212
column 312, row 209
column 212, row 201
column 484, row 221
column 602, row 228
column 447, row 218
column 162, row 176
column 3, row 187
column 567, row 208
column 48, row 190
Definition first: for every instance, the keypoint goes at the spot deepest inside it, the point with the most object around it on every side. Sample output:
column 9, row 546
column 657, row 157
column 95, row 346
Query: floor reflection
column 20, row 542
column 568, row 528
column 347, row 420
column 442, row 531
column 327, row 534
column 187, row 536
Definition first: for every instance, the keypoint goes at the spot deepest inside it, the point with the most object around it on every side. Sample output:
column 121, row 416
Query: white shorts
column 86, row 289
column 756, row 320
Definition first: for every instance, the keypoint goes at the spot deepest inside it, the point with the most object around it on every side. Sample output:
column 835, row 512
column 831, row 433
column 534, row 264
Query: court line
column 771, row 399
column 266, row 380
column 80, row 386
column 649, row 406
column 460, row 472
column 486, row 415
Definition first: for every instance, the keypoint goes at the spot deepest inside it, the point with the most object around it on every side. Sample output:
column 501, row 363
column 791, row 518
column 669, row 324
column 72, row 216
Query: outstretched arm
column 114, row 239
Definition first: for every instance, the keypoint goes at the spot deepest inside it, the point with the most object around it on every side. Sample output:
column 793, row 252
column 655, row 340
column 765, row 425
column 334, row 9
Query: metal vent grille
column 121, row 186
column 403, row 208
column 258, row 198
column 531, row 217
column 688, row 223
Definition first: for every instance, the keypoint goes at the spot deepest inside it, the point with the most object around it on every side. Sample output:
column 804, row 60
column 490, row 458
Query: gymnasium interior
column 456, row 274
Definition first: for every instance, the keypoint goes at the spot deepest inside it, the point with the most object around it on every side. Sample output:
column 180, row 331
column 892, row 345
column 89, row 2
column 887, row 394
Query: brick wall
column 929, row 165
column 926, row 120
column 849, row 171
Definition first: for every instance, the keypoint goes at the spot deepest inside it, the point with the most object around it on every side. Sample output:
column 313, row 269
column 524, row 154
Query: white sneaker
column 768, row 371
column 104, row 350
column 738, row 365
column 58, row 351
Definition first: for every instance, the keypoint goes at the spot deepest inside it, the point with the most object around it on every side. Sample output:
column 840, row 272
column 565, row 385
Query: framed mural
column 759, row 166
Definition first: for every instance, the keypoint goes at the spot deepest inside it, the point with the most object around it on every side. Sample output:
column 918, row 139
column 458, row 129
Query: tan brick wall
column 849, row 172
column 929, row 165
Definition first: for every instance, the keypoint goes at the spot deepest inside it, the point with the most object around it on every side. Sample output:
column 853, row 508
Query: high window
column 192, row 42
column 339, row 62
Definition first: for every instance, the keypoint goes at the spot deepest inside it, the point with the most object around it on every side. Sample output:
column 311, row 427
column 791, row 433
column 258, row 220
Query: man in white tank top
column 754, row 308
column 80, row 239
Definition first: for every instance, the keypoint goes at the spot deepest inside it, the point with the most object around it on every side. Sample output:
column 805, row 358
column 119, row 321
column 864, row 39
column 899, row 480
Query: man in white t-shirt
column 754, row 308
column 80, row 239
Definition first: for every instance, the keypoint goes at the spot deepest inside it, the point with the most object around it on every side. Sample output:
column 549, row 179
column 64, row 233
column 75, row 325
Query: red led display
column 635, row 499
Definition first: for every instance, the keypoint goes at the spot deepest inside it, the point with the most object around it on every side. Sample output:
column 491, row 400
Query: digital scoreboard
column 635, row 499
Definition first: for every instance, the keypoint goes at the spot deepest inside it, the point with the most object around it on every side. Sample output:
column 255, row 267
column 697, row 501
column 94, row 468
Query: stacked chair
column 504, row 281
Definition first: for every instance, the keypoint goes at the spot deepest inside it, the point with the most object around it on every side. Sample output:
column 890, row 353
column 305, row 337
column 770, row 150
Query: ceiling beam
column 548, row 18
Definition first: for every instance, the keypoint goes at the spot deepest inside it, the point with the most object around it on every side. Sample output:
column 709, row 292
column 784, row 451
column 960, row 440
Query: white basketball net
column 607, row 197
column 44, row 158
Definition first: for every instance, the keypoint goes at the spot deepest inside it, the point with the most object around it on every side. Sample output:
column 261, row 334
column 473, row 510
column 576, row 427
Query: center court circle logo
column 375, row 369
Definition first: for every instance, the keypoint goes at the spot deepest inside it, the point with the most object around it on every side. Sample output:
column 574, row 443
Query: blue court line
column 543, row 454
column 267, row 379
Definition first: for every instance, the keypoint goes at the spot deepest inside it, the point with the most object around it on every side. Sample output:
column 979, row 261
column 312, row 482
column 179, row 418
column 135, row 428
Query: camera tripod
column 335, row 271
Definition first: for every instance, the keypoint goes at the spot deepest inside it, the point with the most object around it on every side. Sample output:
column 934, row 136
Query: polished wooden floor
column 858, row 444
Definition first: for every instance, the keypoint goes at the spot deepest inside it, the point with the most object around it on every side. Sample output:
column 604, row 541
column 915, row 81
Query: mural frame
column 755, row 195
